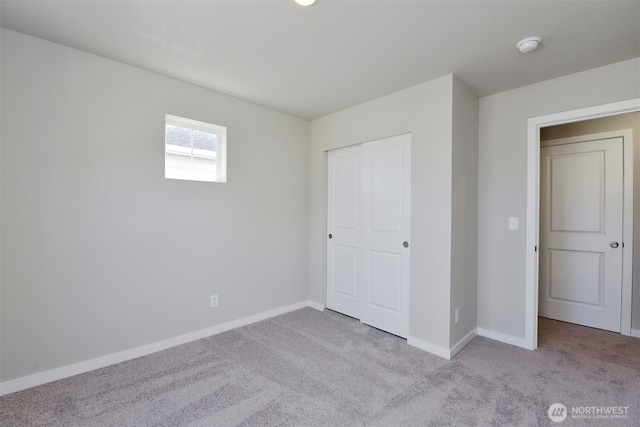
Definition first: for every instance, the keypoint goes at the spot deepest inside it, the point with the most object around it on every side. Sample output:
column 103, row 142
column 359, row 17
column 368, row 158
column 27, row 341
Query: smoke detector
column 529, row 44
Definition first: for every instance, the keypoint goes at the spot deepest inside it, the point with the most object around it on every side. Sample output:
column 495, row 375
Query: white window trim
column 221, row 143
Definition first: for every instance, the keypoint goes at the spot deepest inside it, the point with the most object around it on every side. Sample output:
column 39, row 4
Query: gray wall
column 426, row 111
column 502, row 186
column 100, row 253
column 605, row 124
column 464, row 211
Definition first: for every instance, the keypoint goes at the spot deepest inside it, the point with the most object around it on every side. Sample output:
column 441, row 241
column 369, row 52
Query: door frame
column 533, row 211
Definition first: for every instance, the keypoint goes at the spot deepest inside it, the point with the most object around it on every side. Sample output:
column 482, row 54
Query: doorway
column 581, row 215
column 535, row 125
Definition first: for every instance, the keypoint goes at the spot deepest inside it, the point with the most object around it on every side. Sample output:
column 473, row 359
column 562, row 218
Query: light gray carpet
column 321, row 368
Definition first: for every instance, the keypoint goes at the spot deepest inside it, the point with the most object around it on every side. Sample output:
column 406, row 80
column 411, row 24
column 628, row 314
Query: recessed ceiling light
column 529, row 44
column 305, row 2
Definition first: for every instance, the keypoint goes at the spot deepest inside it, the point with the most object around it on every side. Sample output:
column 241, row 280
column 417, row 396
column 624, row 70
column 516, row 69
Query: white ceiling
column 313, row 61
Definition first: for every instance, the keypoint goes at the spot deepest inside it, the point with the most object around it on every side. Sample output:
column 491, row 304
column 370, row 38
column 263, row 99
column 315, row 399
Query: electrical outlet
column 457, row 315
column 513, row 223
column 214, row 301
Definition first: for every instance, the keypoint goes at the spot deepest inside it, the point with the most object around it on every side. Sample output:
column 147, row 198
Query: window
column 194, row 151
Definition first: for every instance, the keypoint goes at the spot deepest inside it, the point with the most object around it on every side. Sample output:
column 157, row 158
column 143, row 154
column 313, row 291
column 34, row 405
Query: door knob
column 614, row 244
column 330, row 235
column 405, row 244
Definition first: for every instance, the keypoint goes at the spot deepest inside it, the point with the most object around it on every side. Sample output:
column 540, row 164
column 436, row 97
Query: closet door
column 385, row 260
column 368, row 219
column 344, row 232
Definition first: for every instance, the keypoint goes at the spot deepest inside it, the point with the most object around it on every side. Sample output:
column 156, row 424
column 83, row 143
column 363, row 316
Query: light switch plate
column 513, row 223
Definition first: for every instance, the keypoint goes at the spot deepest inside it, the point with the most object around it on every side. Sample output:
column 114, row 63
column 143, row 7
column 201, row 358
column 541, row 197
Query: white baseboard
column 464, row 341
column 635, row 333
column 56, row 374
column 428, row 347
column 499, row 336
column 441, row 351
column 316, row 305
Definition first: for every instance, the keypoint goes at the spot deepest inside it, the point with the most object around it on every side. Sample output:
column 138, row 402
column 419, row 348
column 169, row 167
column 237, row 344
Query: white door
column 386, row 189
column 581, row 205
column 343, row 223
column 368, row 253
